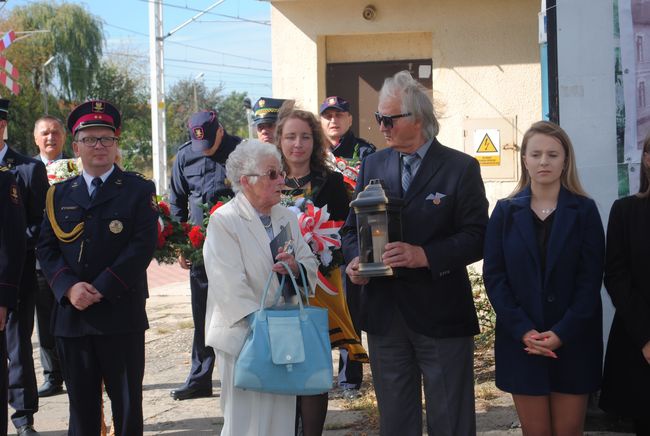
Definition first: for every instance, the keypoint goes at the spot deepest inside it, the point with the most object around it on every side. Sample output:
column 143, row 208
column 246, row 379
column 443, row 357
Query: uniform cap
column 203, row 128
column 266, row 110
column 4, row 108
column 95, row 113
column 335, row 102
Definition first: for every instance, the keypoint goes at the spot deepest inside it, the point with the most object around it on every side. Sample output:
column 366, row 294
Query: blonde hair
column 569, row 177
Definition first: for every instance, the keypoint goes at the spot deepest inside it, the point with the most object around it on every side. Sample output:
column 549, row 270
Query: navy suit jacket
column 31, row 177
column 565, row 298
column 112, row 253
column 435, row 301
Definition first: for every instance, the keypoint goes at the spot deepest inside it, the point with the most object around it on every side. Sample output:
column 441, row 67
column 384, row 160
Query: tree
column 232, row 114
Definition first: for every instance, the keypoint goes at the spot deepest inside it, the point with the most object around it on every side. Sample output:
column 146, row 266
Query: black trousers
column 118, row 360
column 49, row 356
column 3, row 383
column 23, row 392
column 351, row 371
column 202, row 357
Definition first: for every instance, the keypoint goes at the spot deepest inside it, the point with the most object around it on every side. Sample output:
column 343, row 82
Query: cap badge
column 98, row 107
column 116, row 226
column 331, row 101
column 198, row 133
column 262, row 103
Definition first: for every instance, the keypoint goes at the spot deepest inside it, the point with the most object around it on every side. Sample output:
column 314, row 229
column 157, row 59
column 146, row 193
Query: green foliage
column 232, row 114
column 486, row 316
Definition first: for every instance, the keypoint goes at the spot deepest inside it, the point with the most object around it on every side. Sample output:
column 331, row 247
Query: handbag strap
column 295, row 285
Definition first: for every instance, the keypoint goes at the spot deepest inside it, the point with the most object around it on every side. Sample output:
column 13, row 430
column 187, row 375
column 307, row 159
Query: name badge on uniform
column 116, row 226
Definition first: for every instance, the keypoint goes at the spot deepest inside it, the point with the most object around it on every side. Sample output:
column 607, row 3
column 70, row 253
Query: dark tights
column 311, row 410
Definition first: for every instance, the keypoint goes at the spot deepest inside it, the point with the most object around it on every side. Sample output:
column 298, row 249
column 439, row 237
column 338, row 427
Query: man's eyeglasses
column 91, row 141
column 272, row 174
column 388, row 119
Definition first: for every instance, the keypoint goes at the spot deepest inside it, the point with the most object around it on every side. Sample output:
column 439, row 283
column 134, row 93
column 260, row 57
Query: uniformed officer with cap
column 265, row 117
column 12, row 257
column 31, row 179
column 97, row 239
column 199, row 178
column 336, row 121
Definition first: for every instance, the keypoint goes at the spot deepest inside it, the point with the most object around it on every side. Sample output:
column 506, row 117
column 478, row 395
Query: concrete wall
column 485, row 54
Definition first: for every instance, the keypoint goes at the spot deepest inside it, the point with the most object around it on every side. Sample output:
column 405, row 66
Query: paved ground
column 168, row 343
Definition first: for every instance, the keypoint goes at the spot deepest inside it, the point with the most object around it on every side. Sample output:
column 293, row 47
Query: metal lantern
column 378, row 222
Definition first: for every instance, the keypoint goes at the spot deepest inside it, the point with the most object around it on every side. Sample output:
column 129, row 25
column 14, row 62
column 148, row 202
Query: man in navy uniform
column 336, row 121
column 12, row 257
column 49, row 136
column 97, row 239
column 32, row 183
column 199, row 178
column 421, row 324
column 265, row 116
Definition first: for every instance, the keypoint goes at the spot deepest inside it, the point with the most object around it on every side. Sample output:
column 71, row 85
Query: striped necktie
column 408, row 162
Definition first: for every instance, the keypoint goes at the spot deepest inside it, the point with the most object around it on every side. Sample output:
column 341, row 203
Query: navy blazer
column 31, row 177
column 113, row 252
column 564, row 298
column 435, row 301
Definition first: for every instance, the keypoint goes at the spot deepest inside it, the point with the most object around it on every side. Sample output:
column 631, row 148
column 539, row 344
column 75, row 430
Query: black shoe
column 187, row 393
column 49, row 389
column 27, row 430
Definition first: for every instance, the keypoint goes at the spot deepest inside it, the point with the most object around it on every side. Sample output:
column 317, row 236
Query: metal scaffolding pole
column 156, row 61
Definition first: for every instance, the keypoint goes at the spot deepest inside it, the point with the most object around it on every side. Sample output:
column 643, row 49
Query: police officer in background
column 265, row 115
column 31, row 179
column 336, row 121
column 198, row 178
column 49, row 136
column 96, row 243
column 12, row 257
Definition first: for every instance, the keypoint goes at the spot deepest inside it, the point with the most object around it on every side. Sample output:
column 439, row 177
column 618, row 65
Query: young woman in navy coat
column 543, row 267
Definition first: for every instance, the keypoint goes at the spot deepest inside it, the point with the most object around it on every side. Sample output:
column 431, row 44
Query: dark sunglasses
column 272, row 174
column 388, row 119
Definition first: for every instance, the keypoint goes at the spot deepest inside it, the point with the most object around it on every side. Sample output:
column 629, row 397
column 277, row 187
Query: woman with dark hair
column 301, row 142
column 626, row 380
column 543, row 266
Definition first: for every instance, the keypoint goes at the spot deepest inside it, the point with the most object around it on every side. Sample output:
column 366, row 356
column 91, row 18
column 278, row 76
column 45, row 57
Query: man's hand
column 184, row 263
column 401, row 254
column 3, row 318
column 542, row 344
column 83, row 295
column 646, row 352
column 352, row 270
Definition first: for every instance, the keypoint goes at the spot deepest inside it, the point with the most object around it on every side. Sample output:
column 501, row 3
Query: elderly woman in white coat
column 238, row 261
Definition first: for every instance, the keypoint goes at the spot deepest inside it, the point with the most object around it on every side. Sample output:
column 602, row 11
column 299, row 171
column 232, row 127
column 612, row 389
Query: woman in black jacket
column 626, row 380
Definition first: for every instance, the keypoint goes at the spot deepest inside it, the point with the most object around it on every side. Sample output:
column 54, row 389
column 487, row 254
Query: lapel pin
column 436, row 199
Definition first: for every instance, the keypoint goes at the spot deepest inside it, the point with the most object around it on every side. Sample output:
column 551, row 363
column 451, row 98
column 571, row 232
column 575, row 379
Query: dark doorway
column 359, row 83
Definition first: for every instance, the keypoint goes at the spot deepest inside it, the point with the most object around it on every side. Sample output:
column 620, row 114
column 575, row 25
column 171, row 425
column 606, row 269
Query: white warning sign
column 487, row 147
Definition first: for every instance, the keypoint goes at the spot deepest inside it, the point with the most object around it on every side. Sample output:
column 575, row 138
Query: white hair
column 247, row 158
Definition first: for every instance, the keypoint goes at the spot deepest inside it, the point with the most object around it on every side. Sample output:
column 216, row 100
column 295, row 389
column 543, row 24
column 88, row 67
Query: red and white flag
column 9, row 67
column 7, row 40
column 7, row 81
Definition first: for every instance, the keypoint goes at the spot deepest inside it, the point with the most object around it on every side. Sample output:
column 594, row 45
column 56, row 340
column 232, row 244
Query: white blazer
column 238, row 262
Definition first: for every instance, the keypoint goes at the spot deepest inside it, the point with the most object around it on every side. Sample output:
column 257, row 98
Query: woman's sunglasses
column 272, row 174
column 388, row 119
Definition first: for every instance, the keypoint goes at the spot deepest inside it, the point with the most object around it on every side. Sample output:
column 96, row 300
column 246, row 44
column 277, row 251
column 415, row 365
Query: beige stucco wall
column 485, row 54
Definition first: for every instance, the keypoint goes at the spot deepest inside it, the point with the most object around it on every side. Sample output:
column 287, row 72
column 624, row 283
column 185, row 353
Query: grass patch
column 186, row 324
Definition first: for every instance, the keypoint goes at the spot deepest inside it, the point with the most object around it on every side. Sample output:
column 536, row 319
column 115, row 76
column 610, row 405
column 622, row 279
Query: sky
column 228, row 44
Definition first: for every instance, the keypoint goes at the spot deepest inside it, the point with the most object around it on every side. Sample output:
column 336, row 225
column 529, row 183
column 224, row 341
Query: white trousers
column 249, row 413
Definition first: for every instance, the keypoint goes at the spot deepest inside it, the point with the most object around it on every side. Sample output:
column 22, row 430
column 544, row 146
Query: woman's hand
column 289, row 260
column 542, row 344
column 352, row 270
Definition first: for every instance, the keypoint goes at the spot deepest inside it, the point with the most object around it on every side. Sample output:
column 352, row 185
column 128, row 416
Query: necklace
column 547, row 211
column 297, row 182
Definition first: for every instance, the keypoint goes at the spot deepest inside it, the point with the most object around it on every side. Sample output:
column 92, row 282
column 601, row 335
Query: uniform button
column 87, row 239
column 550, row 298
column 89, row 217
column 85, row 265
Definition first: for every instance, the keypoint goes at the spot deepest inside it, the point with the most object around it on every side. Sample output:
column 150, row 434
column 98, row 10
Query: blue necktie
column 97, row 182
column 408, row 163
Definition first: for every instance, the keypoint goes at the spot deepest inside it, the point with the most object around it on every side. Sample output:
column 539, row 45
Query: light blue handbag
column 288, row 350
